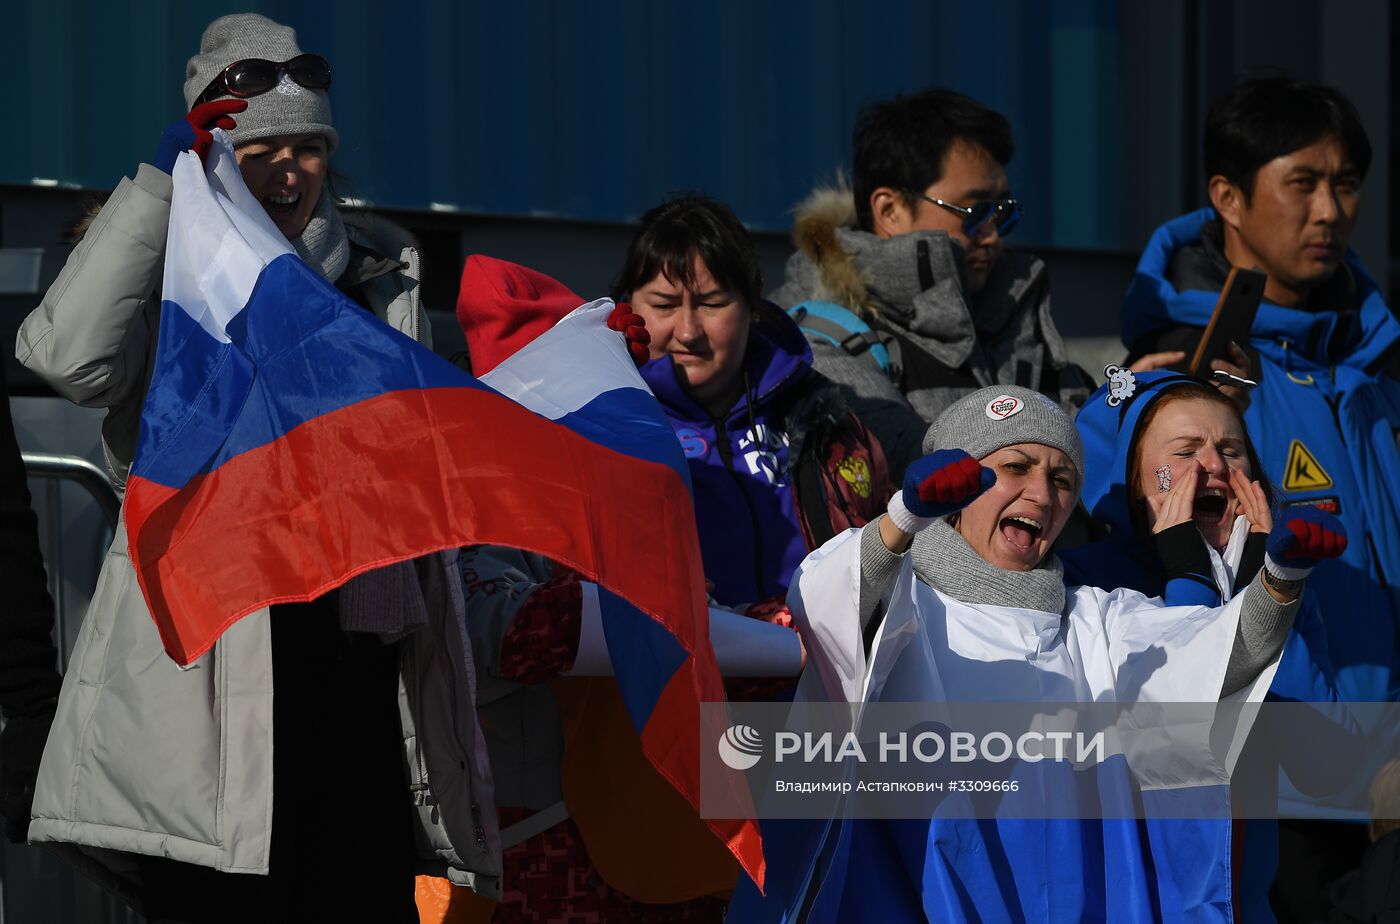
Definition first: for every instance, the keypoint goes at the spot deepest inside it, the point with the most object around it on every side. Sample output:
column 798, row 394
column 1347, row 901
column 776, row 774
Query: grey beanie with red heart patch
column 1004, row 415
column 286, row 109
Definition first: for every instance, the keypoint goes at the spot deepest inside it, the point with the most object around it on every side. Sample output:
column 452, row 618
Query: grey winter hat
column 1004, row 415
column 287, row 109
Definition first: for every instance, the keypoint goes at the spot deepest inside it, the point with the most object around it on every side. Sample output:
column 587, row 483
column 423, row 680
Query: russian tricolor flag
column 290, row 440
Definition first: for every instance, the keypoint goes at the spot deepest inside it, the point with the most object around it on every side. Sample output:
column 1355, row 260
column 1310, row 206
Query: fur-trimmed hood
column 814, row 229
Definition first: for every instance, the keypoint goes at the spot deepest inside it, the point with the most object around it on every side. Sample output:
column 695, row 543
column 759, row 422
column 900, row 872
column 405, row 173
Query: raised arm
column 91, row 336
column 1303, row 537
column 935, row 486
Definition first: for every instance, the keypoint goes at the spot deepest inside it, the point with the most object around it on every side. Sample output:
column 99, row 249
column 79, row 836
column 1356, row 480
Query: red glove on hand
column 773, row 610
column 634, row 329
column 1303, row 537
column 194, row 131
column 542, row 640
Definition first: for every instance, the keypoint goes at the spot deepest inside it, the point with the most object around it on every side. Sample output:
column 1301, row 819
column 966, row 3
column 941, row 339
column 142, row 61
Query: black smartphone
column 1232, row 319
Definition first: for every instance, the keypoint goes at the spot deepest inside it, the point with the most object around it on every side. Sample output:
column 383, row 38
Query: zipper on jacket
column 417, row 784
column 476, row 823
column 413, row 298
column 1380, row 571
column 726, row 456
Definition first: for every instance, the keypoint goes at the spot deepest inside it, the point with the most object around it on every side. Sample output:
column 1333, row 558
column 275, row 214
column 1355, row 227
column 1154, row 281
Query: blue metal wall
column 597, row 109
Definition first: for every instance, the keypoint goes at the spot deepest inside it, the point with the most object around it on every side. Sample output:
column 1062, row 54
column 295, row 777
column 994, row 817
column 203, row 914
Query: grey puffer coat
column 145, row 758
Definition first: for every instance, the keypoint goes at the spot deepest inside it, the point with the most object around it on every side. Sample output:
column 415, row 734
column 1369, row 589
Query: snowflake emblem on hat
column 1121, row 384
column 288, row 87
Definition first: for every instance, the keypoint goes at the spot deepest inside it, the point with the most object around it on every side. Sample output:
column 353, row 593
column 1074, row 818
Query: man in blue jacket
column 1285, row 162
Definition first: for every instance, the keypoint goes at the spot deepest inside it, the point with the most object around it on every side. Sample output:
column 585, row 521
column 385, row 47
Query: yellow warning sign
column 1303, row 473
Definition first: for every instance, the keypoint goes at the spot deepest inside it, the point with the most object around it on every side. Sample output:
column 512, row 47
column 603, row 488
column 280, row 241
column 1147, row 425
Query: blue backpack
column 841, row 327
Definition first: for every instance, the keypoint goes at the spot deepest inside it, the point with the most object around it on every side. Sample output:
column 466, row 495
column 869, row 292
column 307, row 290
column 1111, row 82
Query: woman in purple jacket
column 778, row 462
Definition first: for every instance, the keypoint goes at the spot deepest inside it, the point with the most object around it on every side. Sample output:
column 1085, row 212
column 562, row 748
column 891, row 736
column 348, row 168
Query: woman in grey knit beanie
column 960, row 598
column 270, row 780
column 284, row 138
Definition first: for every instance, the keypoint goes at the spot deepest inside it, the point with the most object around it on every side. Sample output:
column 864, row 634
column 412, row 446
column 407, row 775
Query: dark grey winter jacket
column 912, row 287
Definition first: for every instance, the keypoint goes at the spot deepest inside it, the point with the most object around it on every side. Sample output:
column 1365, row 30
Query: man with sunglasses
column 902, row 284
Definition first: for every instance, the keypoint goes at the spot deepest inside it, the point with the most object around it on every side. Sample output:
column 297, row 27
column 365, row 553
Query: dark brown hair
column 684, row 227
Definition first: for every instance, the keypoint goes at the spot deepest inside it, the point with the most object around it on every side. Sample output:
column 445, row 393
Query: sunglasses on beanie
column 254, row 76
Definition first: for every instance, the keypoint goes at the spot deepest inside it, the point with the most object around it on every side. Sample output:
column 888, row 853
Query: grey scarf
column 943, row 559
column 323, row 244
column 387, row 601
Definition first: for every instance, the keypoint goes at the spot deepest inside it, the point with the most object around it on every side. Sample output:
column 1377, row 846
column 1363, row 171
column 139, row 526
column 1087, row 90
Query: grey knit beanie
column 287, row 109
column 1004, row 415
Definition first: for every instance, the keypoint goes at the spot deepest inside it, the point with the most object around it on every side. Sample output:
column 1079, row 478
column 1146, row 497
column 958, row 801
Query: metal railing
column 81, row 471
column 58, row 469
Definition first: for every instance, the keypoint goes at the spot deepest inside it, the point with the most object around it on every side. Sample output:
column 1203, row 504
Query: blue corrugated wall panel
column 593, row 110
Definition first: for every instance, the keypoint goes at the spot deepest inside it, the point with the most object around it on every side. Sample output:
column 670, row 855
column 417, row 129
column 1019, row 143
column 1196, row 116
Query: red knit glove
column 773, row 610
column 195, row 131
column 940, row 483
column 1303, row 537
column 542, row 640
column 634, row 328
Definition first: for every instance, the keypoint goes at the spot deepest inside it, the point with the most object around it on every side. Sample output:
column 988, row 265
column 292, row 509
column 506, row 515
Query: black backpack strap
column 921, row 369
column 811, row 495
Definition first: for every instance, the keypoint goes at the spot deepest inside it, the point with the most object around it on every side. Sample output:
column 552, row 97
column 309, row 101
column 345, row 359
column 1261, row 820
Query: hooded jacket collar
column 1164, row 293
column 915, row 282
column 1107, row 431
column 777, row 354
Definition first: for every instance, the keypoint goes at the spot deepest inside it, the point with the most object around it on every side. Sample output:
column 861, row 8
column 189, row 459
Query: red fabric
column 542, row 640
column 503, row 306
column 179, row 540
column 549, row 879
column 206, row 117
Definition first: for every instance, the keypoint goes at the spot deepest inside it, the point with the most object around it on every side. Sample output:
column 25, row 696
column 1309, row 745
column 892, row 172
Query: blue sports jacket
column 1325, row 428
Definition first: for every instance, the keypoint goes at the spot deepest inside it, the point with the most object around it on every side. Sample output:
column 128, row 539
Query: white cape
column 1107, row 646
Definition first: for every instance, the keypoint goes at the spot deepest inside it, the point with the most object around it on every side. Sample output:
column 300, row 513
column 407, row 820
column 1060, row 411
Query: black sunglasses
column 254, row 76
column 1006, row 213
